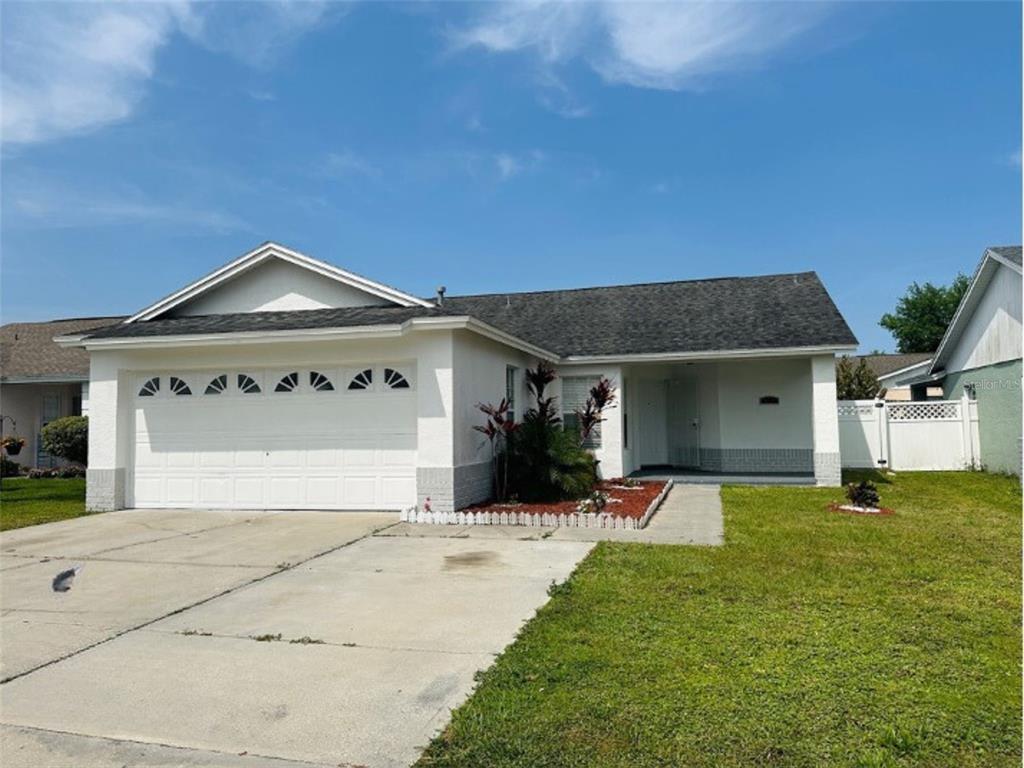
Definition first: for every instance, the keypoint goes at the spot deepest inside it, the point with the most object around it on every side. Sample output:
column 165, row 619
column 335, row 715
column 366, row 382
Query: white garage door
column 301, row 438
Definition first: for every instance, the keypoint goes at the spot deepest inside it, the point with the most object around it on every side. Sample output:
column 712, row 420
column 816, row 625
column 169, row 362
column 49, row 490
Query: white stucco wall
column 277, row 285
column 480, row 366
column 744, row 423
column 993, row 332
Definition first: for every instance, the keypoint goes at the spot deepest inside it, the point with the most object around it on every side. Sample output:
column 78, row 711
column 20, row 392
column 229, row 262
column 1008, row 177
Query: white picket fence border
column 537, row 520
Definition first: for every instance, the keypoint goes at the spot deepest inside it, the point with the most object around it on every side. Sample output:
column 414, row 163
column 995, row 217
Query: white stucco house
column 280, row 381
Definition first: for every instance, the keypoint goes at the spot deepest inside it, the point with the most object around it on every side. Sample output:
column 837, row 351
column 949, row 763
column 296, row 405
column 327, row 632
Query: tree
column 923, row 313
column 855, row 382
column 67, row 438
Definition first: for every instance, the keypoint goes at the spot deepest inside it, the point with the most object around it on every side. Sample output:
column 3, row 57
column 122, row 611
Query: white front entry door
column 284, row 439
column 652, row 435
column 684, row 423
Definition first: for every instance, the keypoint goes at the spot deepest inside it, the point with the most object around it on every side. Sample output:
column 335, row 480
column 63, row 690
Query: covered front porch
column 750, row 419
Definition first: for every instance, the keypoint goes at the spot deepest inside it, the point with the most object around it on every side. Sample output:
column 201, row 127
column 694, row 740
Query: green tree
column 923, row 313
column 67, row 438
column 855, row 382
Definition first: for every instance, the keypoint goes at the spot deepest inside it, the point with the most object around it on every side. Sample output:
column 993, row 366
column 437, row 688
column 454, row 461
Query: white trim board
column 258, row 256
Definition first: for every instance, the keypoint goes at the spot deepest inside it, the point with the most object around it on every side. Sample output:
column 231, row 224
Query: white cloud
column 69, row 68
column 72, row 68
column 668, row 46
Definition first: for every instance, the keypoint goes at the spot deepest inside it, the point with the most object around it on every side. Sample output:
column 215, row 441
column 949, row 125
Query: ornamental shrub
column 863, row 494
column 67, row 438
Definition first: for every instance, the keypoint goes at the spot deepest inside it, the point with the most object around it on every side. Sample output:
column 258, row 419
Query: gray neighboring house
column 41, row 381
column 895, row 369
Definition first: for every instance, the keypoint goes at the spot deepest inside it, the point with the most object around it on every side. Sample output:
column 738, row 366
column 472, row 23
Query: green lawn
column 811, row 638
column 30, row 502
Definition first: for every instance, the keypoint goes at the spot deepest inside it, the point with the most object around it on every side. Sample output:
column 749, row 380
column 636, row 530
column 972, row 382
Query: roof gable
column 1004, row 260
column 274, row 278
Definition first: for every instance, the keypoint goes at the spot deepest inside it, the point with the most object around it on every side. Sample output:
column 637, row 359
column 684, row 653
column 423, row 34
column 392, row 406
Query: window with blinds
column 575, row 391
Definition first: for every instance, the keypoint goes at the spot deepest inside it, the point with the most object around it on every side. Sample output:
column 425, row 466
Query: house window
column 150, row 388
column 575, row 391
column 217, row 385
column 179, row 387
column 394, row 379
column 769, row 400
column 362, row 380
column 319, row 382
column 247, row 385
column 511, row 376
column 288, row 383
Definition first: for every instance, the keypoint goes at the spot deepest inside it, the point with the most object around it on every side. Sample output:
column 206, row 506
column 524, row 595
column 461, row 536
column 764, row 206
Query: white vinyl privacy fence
column 940, row 434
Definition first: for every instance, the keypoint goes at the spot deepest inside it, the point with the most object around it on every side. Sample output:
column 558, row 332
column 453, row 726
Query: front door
column 683, row 423
column 652, row 435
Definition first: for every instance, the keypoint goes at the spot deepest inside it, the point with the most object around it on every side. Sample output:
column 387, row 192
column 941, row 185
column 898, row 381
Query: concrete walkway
column 690, row 514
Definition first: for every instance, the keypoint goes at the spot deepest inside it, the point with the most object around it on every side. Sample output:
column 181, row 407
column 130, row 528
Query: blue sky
column 496, row 147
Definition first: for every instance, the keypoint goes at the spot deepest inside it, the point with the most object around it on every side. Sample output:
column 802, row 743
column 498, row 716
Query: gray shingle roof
column 1008, row 252
column 792, row 310
column 881, row 365
column 27, row 350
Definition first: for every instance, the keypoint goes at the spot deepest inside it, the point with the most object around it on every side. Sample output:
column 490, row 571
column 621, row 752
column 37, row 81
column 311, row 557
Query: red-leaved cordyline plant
column 498, row 429
column 602, row 396
column 537, row 380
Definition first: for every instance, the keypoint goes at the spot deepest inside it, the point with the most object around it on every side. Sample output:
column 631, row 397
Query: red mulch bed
column 839, row 508
column 622, row 502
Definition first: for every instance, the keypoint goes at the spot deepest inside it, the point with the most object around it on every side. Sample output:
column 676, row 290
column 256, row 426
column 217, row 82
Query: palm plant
column 498, row 429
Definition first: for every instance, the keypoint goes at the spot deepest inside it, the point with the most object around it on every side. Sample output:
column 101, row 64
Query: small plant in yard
column 547, row 462
column 863, row 494
column 593, row 504
column 590, row 416
column 499, row 430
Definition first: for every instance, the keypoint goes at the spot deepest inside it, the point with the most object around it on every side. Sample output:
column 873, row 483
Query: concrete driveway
column 251, row 639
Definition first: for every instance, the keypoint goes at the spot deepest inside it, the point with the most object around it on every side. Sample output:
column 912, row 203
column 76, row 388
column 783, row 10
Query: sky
column 504, row 147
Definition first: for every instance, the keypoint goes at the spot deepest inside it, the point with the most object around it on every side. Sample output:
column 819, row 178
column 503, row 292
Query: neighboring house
column 980, row 356
column 894, row 370
column 280, row 381
column 41, row 381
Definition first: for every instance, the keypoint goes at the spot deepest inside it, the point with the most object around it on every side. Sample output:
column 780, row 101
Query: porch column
column 825, row 421
column 109, row 434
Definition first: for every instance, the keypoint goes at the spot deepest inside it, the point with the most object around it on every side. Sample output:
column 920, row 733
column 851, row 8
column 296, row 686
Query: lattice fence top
column 941, row 409
column 851, row 409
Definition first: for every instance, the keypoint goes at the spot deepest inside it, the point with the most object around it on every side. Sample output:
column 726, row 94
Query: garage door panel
column 336, row 450
column 215, row 491
column 248, row 492
column 397, row 491
column 181, row 490
column 286, row 492
column 322, row 491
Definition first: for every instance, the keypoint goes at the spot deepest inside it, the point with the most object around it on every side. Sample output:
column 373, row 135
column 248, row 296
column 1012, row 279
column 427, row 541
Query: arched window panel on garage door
column 320, row 382
column 217, row 385
column 150, row 388
column 178, row 386
column 361, row 380
column 248, row 385
column 288, row 383
column 394, row 378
